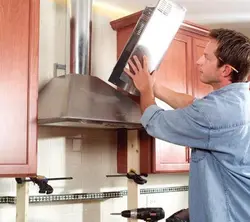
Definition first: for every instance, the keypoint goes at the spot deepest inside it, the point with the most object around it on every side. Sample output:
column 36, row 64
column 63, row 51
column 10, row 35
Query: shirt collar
column 237, row 85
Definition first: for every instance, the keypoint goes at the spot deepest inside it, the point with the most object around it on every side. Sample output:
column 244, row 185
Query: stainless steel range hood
column 79, row 99
column 86, row 101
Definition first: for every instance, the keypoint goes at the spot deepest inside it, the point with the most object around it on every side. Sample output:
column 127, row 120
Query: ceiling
column 215, row 13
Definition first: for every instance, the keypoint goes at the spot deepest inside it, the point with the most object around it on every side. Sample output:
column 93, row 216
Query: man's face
column 207, row 65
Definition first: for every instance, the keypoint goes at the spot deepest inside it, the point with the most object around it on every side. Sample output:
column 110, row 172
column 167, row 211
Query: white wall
column 240, row 27
column 97, row 156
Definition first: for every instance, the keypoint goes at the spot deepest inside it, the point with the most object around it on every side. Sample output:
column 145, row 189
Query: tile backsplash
column 91, row 159
column 88, row 167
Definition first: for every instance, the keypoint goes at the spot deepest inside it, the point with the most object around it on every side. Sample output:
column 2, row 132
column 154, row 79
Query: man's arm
column 174, row 99
column 147, row 99
column 185, row 127
column 145, row 83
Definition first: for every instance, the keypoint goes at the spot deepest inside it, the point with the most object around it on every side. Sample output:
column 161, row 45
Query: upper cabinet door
column 199, row 89
column 175, row 68
column 19, row 38
column 175, row 72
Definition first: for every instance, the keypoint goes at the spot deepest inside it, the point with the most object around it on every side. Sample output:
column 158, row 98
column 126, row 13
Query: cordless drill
column 149, row 214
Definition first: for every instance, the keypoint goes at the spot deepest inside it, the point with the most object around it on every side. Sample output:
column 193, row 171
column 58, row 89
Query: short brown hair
column 233, row 49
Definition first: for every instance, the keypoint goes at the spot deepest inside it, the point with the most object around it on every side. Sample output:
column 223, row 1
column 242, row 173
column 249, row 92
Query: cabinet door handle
column 187, row 154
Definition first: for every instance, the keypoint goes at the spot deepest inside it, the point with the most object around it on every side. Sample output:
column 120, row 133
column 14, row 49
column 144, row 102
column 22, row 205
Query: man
column 216, row 127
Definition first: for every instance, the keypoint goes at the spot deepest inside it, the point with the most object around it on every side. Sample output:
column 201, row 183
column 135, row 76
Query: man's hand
column 143, row 81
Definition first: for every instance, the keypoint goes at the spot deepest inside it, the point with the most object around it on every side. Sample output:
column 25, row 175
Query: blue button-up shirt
column 217, row 128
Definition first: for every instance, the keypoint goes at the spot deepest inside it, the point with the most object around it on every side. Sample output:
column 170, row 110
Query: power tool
column 149, row 214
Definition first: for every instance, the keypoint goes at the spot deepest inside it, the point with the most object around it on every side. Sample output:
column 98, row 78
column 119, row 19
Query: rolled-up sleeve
column 186, row 127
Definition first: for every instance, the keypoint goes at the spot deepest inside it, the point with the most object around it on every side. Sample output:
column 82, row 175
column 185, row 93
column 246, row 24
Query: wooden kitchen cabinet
column 19, row 41
column 179, row 72
column 175, row 72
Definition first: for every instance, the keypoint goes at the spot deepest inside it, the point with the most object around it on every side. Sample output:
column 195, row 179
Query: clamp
column 133, row 176
column 42, row 182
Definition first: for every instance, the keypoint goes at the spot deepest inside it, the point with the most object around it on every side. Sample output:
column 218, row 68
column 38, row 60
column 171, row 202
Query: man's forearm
column 174, row 99
column 147, row 99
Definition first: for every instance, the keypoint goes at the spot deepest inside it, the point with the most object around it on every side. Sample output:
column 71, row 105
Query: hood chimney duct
column 80, row 26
